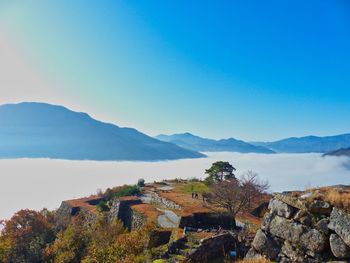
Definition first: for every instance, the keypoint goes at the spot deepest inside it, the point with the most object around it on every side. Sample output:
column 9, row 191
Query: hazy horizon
column 39, row 183
column 256, row 65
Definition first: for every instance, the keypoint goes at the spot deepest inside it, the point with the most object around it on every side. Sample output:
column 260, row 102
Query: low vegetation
column 31, row 236
column 120, row 191
column 195, row 187
column 339, row 198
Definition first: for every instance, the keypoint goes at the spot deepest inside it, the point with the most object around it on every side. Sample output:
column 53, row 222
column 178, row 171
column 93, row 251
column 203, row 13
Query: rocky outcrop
column 281, row 209
column 295, row 230
column 338, row 247
column 262, row 242
column 339, row 222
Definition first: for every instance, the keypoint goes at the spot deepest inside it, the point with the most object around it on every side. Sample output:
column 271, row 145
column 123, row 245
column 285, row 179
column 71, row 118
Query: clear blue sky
column 255, row 70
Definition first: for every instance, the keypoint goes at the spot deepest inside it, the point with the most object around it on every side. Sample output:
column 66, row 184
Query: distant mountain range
column 39, row 130
column 196, row 143
column 340, row 152
column 308, row 144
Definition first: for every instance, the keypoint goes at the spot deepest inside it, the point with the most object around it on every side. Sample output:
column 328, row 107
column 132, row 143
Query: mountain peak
column 197, row 143
column 41, row 130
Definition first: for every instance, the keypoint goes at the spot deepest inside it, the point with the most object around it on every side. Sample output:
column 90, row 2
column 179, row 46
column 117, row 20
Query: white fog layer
column 38, row 183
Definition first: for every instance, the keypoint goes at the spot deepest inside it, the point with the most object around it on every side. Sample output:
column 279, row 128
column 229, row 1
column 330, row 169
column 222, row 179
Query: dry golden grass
column 184, row 199
column 338, row 198
column 83, row 203
column 148, row 210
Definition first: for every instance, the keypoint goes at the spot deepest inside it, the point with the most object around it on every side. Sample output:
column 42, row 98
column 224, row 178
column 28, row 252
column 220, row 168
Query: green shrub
column 141, row 182
column 128, row 191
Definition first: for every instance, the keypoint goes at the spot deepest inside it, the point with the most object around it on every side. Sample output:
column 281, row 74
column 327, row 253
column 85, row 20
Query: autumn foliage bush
column 25, row 237
column 31, row 237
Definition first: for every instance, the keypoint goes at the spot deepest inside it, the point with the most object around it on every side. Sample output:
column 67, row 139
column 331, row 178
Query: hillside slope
column 308, row 144
column 196, row 143
column 39, row 130
column 340, row 152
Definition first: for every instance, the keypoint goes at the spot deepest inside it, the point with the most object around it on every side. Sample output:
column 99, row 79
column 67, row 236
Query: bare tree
column 237, row 195
column 253, row 187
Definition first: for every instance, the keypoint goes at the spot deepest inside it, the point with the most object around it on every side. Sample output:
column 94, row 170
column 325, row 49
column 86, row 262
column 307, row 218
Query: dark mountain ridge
column 308, row 144
column 40, row 130
column 339, row 152
column 196, row 143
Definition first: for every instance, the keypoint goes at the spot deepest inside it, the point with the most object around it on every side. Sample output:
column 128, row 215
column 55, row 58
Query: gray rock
column 292, row 201
column 340, row 223
column 320, row 207
column 313, row 240
column 310, row 239
column 285, row 229
column 322, row 226
column 267, row 221
column 338, row 247
column 303, row 217
column 315, row 257
column 293, row 253
column 253, row 254
column 283, row 259
column 280, row 208
column 265, row 245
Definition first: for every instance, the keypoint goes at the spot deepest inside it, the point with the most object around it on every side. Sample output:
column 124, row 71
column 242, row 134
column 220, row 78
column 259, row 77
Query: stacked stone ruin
column 295, row 230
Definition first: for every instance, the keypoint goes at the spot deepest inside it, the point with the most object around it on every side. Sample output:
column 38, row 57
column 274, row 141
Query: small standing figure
column 192, row 195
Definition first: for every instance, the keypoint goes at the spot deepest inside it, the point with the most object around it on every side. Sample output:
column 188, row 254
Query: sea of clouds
column 38, row 183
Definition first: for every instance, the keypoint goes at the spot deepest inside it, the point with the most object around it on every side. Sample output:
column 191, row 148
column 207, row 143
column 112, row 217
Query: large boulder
column 338, row 247
column 293, row 253
column 322, row 226
column 313, row 240
column 252, row 254
column 292, row 201
column 285, row 229
column 339, row 222
column 310, row 239
column 280, row 208
column 265, row 245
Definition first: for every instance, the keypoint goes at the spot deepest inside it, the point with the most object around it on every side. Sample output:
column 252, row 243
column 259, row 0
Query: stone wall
column 65, row 213
column 295, row 230
column 122, row 209
column 207, row 220
column 136, row 220
column 163, row 202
